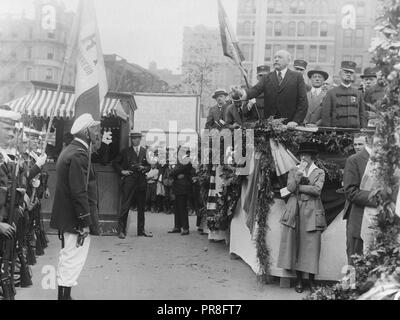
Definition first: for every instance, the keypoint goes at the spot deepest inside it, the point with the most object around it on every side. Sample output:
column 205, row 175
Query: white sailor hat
column 83, row 122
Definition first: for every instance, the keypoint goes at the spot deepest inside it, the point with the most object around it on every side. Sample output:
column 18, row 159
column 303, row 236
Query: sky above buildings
column 145, row 30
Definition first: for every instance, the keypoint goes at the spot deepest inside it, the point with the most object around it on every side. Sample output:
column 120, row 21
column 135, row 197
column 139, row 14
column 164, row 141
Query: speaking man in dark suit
column 356, row 199
column 284, row 92
column 131, row 164
column 75, row 196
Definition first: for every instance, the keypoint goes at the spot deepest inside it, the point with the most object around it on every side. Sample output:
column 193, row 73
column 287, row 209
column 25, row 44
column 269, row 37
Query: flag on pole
column 91, row 81
column 230, row 44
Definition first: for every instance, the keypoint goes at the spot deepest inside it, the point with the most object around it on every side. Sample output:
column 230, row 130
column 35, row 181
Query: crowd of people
column 174, row 187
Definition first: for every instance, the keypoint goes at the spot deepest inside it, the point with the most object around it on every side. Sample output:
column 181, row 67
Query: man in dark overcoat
column 182, row 185
column 356, row 199
column 284, row 92
column 343, row 105
column 132, row 165
column 74, row 200
column 216, row 115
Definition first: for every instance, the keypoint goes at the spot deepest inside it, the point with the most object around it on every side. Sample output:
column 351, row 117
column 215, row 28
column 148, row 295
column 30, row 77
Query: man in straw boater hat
column 74, row 199
column 216, row 114
column 315, row 96
column 131, row 164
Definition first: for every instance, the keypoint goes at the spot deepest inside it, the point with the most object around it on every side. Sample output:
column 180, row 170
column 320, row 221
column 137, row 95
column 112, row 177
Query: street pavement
column 165, row 267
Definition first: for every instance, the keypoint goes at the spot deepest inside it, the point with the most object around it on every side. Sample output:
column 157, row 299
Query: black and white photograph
column 213, row 151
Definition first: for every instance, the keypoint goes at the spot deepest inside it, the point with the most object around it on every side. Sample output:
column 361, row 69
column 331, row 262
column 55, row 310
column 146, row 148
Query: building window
column 49, row 74
column 359, row 41
column 247, row 52
column 313, row 53
column 359, row 61
column 268, row 53
column 291, row 49
column 277, row 47
column 302, row 7
column 300, row 51
column 269, row 29
column 271, row 8
column 347, row 38
column 247, row 28
column 346, row 58
column 278, row 6
column 278, row 29
column 29, row 74
column 30, row 33
column 314, row 29
column 324, row 29
column 14, row 34
column 301, row 29
column 323, row 52
column 29, row 52
column 249, row 6
column 50, row 53
column 292, row 29
column 12, row 75
column 14, row 54
column 253, row 32
column 293, row 6
column 51, row 35
column 360, row 8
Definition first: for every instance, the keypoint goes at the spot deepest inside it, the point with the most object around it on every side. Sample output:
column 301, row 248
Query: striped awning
column 112, row 107
column 44, row 100
column 18, row 105
column 41, row 101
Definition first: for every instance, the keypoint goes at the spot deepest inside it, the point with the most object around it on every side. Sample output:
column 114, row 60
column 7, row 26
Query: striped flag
column 91, row 81
column 230, row 44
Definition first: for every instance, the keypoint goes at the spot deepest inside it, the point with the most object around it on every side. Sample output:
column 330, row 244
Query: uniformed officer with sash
column 344, row 106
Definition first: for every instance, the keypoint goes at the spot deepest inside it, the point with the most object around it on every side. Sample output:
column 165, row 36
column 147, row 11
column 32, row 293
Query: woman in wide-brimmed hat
column 304, row 218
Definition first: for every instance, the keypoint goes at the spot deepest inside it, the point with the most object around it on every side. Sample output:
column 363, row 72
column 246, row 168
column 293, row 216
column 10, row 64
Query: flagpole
column 67, row 56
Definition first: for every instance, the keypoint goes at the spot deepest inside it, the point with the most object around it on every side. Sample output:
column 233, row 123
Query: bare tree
column 197, row 71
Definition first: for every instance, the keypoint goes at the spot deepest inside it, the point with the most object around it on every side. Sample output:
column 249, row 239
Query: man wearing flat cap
column 300, row 65
column 216, row 114
column 344, row 106
column 131, row 164
column 315, row 96
column 74, row 201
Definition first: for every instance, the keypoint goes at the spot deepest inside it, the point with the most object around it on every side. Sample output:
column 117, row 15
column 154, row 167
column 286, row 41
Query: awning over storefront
column 18, row 105
column 40, row 102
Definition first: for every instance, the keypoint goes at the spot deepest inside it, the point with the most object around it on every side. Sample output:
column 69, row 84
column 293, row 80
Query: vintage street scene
column 186, row 150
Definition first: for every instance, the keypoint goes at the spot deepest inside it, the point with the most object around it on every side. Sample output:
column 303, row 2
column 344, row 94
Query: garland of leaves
column 264, row 130
column 378, row 271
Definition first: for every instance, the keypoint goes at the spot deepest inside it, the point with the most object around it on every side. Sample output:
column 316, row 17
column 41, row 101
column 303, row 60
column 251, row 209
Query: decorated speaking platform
column 245, row 206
